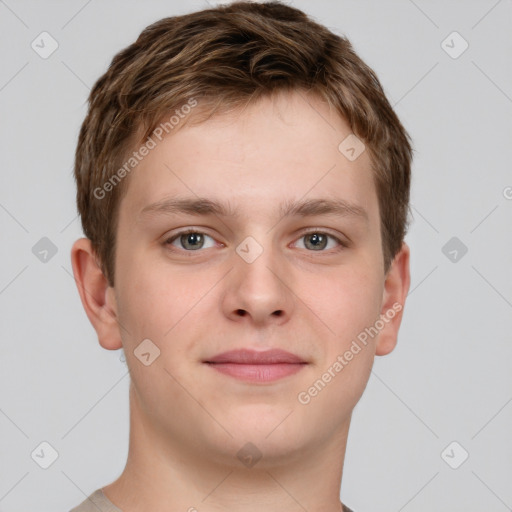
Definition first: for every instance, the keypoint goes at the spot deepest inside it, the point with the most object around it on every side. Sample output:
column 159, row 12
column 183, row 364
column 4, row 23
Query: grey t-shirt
column 98, row 502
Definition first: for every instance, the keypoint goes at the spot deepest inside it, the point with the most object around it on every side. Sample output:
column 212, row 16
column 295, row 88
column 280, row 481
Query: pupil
column 318, row 241
column 192, row 239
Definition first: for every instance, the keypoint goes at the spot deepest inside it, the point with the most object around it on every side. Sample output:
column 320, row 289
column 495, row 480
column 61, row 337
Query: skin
column 188, row 421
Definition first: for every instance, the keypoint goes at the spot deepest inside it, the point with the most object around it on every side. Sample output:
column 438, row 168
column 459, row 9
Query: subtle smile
column 254, row 366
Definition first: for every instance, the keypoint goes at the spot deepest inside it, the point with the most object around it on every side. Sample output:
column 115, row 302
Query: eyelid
column 342, row 241
column 325, row 231
column 172, row 237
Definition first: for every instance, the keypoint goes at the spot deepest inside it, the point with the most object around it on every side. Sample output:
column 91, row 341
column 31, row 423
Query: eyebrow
column 301, row 208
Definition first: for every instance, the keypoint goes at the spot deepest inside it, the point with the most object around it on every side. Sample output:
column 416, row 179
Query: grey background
column 449, row 378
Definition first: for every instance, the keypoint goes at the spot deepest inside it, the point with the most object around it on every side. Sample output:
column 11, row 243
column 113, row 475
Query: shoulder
column 96, row 502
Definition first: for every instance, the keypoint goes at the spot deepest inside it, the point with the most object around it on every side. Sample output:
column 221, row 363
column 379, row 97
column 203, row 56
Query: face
column 273, row 269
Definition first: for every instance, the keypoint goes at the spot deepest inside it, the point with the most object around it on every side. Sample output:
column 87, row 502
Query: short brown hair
column 225, row 57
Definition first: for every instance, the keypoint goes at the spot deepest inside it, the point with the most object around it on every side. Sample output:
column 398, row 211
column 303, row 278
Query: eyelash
column 168, row 241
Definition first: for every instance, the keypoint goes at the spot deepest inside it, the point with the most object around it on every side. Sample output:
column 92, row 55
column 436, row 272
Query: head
column 258, row 109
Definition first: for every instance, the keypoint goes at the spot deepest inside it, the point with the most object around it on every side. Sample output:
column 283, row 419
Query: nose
column 257, row 291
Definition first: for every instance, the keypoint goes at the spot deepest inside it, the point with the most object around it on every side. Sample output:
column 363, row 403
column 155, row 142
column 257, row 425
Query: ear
column 97, row 296
column 396, row 287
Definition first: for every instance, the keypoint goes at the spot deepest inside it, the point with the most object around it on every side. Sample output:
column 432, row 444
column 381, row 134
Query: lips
column 255, row 366
column 245, row 356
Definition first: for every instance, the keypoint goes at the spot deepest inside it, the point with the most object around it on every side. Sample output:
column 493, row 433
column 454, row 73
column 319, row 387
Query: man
column 243, row 184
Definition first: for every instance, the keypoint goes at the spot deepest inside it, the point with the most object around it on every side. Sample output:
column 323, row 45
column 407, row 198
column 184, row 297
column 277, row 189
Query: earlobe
column 396, row 287
column 97, row 297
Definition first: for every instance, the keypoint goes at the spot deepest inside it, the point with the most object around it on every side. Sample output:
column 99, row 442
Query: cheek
column 161, row 304
column 153, row 307
column 351, row 303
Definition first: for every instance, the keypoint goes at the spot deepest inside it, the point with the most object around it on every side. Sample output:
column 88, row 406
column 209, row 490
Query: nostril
column 242, row 312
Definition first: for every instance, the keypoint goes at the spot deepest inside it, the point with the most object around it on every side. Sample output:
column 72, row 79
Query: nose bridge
column 257, row 286
column 256, row 263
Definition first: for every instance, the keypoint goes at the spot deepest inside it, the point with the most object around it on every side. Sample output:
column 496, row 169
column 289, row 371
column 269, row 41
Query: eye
column 190, row 240
column 318, row 241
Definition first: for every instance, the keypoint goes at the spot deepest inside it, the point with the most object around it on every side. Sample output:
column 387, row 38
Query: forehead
column 276, row 150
